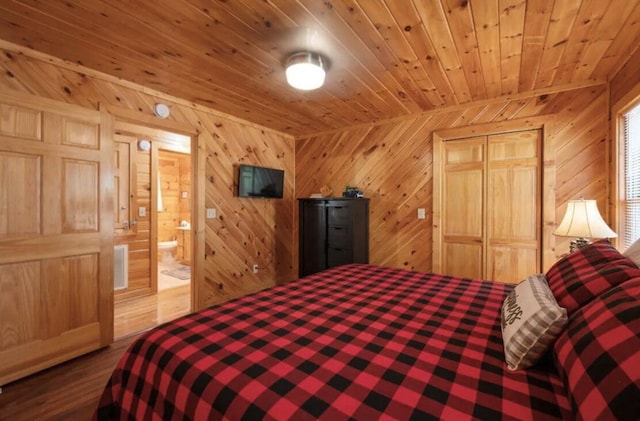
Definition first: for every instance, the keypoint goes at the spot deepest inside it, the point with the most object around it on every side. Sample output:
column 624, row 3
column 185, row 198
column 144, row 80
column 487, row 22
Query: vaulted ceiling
column 388, row 58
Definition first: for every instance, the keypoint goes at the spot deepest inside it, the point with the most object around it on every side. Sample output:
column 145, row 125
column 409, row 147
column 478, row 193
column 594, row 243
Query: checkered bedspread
column 358, row 341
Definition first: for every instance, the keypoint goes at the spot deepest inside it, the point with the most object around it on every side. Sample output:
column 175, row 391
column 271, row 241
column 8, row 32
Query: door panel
column 56, row 247
column 464, row 260
column 462, row 208
column 20, row 178
column 511, row 263
column 514, row 206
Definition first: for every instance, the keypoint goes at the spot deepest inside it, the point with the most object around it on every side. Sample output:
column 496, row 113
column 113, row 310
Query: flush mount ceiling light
column 306, row 70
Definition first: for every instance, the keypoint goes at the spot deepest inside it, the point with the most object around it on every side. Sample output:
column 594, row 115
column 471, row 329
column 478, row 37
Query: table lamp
column 583, row 220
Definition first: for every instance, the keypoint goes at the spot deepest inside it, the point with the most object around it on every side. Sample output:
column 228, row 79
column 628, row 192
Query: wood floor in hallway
column 138, row 314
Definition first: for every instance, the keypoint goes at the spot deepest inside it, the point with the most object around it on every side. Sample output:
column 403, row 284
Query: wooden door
column 462, row 208
column 56, row 227
column 513, row 205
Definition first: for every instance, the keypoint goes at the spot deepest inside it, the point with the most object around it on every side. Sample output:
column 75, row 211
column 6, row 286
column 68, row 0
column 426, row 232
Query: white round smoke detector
column 161, row 110
column 144, row 145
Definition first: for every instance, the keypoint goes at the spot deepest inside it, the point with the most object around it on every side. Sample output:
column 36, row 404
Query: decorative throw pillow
column 598, row 356
column 581, row 276
column 531, row 321
column 633, row 252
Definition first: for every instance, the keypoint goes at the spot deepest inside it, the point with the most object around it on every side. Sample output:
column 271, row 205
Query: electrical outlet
column 421, row 213
column 211, row 213
column 142, row 211
column 255, row 268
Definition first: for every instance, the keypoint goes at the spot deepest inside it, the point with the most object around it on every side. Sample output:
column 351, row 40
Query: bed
column 358, row 342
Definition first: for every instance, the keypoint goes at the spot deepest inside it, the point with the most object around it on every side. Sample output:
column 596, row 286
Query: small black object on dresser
column 333, row 232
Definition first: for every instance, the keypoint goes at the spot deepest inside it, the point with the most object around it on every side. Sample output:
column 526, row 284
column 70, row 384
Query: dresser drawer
column 339, row 256
column 339, row 214
column 338, row 236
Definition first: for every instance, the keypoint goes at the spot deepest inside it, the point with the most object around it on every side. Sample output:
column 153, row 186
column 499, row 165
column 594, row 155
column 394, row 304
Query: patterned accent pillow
column 531, row 321
column 598, row 356
column 583, row 275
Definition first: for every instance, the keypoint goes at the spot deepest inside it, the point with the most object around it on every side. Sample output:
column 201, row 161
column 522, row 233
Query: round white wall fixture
column 161, row 110
column 144, row 145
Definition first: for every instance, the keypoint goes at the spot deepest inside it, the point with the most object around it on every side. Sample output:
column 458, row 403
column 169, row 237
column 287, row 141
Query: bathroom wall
column 169, row 166
column 175, row 185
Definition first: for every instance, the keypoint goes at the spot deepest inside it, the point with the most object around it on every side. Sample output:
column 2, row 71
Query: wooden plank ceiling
column 388, row 58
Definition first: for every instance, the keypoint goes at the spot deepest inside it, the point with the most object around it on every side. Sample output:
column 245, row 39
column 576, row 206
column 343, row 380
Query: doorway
column 153, row 221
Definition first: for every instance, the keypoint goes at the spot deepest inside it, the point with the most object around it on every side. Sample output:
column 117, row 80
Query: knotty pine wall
column 392, row 163
column 626, row 80
column 247, row 231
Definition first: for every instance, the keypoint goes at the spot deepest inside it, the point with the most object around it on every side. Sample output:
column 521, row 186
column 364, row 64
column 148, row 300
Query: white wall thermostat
column 161, row 110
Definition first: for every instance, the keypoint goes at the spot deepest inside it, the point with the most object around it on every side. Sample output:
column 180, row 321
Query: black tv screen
column 260, row 182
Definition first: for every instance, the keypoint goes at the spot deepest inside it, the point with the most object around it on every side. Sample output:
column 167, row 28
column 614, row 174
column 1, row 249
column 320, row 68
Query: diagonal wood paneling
column 392, row 163
column 388, row 58
column 247, row 231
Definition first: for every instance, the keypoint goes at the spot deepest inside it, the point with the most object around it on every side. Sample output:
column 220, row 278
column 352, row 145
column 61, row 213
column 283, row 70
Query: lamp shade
column 305, row 71
column 582, row 219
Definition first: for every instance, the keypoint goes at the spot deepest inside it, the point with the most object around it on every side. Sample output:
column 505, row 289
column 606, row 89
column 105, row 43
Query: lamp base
column 577, row 243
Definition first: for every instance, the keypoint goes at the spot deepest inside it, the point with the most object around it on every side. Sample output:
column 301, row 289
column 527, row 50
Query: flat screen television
column 260, row 181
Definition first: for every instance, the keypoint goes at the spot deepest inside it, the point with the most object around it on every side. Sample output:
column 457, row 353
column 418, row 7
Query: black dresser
column 333, row 231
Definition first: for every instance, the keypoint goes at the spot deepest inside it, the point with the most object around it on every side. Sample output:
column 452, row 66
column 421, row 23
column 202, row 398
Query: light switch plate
column 421, row 213
column 211, row 213
column 142, row 211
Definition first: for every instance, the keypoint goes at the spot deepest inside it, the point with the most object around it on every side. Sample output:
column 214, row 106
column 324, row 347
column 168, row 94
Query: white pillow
column 531, row 322
column 633, row 252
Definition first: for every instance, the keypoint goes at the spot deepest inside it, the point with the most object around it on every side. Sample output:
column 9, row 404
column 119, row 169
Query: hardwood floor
column 70, row 391
column 143, row 313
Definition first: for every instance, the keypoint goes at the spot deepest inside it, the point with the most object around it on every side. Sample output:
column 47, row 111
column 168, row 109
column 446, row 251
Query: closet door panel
column 463, row 208
column 513, row 206
column 464, row 260
column 511, row 263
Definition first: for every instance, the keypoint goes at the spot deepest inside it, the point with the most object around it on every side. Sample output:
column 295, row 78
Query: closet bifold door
column 514, row 205
column 463, row 207
column 488, row 206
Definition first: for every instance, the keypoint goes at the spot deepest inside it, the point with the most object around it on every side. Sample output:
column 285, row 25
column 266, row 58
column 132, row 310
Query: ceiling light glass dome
column 306, row 71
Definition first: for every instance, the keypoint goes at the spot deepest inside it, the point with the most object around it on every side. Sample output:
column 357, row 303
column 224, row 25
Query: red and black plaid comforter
column 358, row 341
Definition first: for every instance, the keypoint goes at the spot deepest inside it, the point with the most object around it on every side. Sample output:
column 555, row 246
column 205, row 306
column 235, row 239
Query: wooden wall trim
column 519, row 124
column 616, row 156
column 150, row 124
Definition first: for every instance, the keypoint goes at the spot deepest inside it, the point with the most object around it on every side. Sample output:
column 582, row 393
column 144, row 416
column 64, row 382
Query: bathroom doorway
column 153, row 176
column 174, row 219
